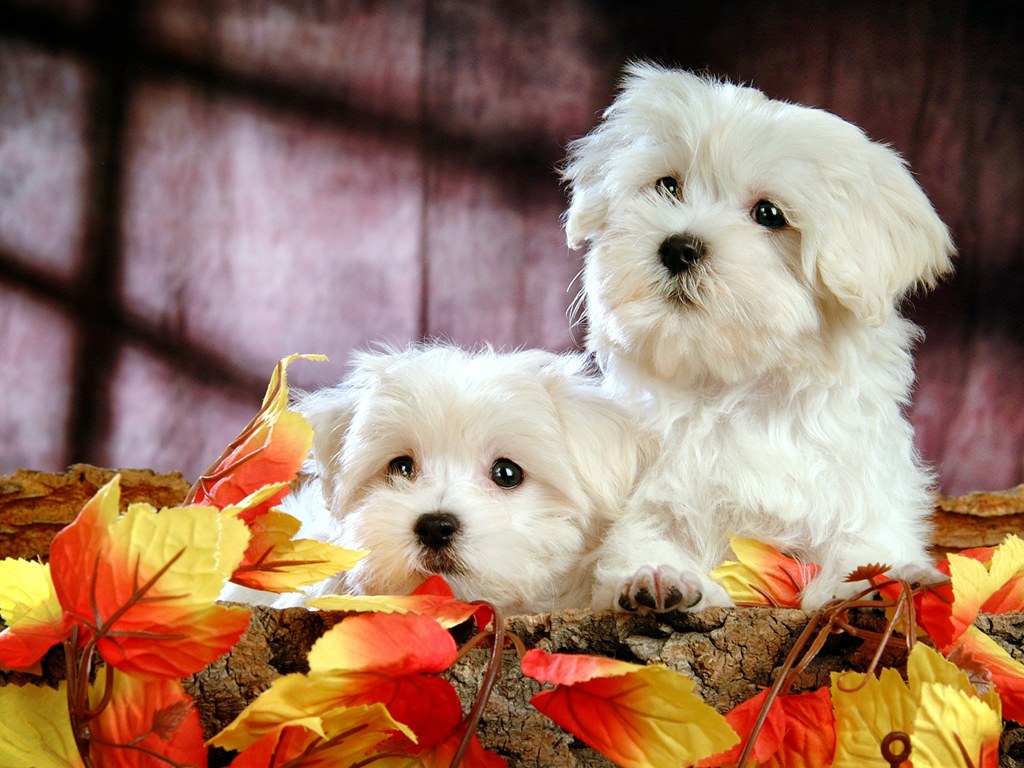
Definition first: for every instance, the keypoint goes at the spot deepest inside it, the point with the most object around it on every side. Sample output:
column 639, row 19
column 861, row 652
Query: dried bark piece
column 35, row 505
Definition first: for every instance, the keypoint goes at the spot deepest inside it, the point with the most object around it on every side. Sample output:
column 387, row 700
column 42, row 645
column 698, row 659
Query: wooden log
column 731, row 654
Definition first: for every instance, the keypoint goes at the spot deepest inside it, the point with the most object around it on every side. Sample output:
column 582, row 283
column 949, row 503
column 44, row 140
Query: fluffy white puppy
column 498, row 471
column 746, row 259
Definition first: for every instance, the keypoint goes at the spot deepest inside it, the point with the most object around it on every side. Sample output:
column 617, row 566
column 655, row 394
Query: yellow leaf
column 975, row 582
column 274, row 562
column 866, row 715
column 29, row 606
column 35, row 731
column 926, row 666
column 948, row 719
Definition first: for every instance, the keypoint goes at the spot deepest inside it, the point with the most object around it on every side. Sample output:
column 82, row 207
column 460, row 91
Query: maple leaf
column 35, row 729
column 982, row 580
column 270, row 450
column 433, row 598
column 144, row 583
column 634, row 715
column 762, row 575
column 146, row 723
column 977, row 652
column 275, row 562
column 442, row 754
column 366, row 659
column 937, row 708
column 342, row 737
column 30, row 609
column 798, row 732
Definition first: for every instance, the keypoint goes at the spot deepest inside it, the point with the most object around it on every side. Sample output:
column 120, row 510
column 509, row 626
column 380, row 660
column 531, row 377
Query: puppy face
column 497, row 472
column 730, row 233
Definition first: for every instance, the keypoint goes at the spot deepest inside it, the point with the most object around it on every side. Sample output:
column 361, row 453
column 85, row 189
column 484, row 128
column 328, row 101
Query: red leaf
column 799, row 731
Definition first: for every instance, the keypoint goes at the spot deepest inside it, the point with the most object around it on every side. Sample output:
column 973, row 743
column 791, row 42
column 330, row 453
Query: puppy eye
column 505, row 473
column 669, row 186
column 768, row 214
column 403, row 466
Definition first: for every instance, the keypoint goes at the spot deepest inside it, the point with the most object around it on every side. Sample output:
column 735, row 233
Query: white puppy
column 746, row 259
column 500, row 472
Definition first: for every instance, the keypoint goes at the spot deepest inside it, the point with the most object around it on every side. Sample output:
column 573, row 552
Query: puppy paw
column 659, row 590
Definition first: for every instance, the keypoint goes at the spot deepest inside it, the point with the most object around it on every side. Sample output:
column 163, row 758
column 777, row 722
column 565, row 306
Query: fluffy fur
column 769, row 357
column 454, row 414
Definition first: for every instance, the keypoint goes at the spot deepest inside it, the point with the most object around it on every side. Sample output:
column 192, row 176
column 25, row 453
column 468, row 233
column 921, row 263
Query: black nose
column 680, row 252
column 437, row 529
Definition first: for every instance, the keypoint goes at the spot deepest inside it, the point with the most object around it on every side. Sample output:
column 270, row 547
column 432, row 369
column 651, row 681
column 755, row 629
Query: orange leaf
column 271, row 449
column 348, row 735
column 799, row 731
column 986, row 661
column 983, row 580
column 366, row 659
column 762, row 575
column 146, row 723
column 144, row 584
column 30, row 609
column 632, row 714
column 433, row 598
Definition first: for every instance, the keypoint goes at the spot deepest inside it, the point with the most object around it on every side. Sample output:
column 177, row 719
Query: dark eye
column 403, row 466
column 668, row 185
column 506, row 473
column 768, row 214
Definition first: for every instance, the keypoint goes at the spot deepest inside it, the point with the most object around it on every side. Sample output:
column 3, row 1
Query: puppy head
column 496, row 471
column 728, row 231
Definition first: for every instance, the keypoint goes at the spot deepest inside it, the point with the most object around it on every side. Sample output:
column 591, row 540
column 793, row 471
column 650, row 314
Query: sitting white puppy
column 500, row 472
column 746, row 258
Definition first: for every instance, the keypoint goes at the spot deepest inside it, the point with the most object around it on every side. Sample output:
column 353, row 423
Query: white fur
column 776, row 369
column 526, row 549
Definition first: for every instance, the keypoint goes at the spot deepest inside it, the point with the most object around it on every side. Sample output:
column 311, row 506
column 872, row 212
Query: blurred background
column 191, row 190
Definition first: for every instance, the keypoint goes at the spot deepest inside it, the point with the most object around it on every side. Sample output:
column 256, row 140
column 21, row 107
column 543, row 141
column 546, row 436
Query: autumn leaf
column 144, row 584
column 762, row 575
column 366, row 659
column 433, row 598
column 271, row 449
column 983, row 658
column 35, row 729
column 30, row 609
column 342, row 737
column 275, row 562
column 937, row 708
column 797, row 733
column 442, row 754
column 634, row 715
column 982, row 580
column 145, row 719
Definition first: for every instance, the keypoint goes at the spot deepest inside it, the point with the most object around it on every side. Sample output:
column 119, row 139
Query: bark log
column 730, row 653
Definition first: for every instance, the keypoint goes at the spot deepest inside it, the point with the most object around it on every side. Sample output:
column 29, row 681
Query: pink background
column 189, row 191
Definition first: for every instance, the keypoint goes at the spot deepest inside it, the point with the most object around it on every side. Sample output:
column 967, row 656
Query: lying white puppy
column 746, row 258
column 500, row 472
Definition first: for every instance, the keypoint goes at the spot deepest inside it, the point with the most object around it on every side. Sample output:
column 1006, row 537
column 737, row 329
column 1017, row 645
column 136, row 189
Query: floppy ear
column 871, row 234
column 588, row 205
column 605, row 444
column 329, row 411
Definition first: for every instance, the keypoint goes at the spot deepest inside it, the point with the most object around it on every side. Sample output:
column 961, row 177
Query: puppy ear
column 873, row 235
column 605, row 444
column 588, row 204
column 329, row 411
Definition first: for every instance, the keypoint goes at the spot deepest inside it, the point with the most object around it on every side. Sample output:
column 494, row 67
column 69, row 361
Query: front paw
column 660, row 590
